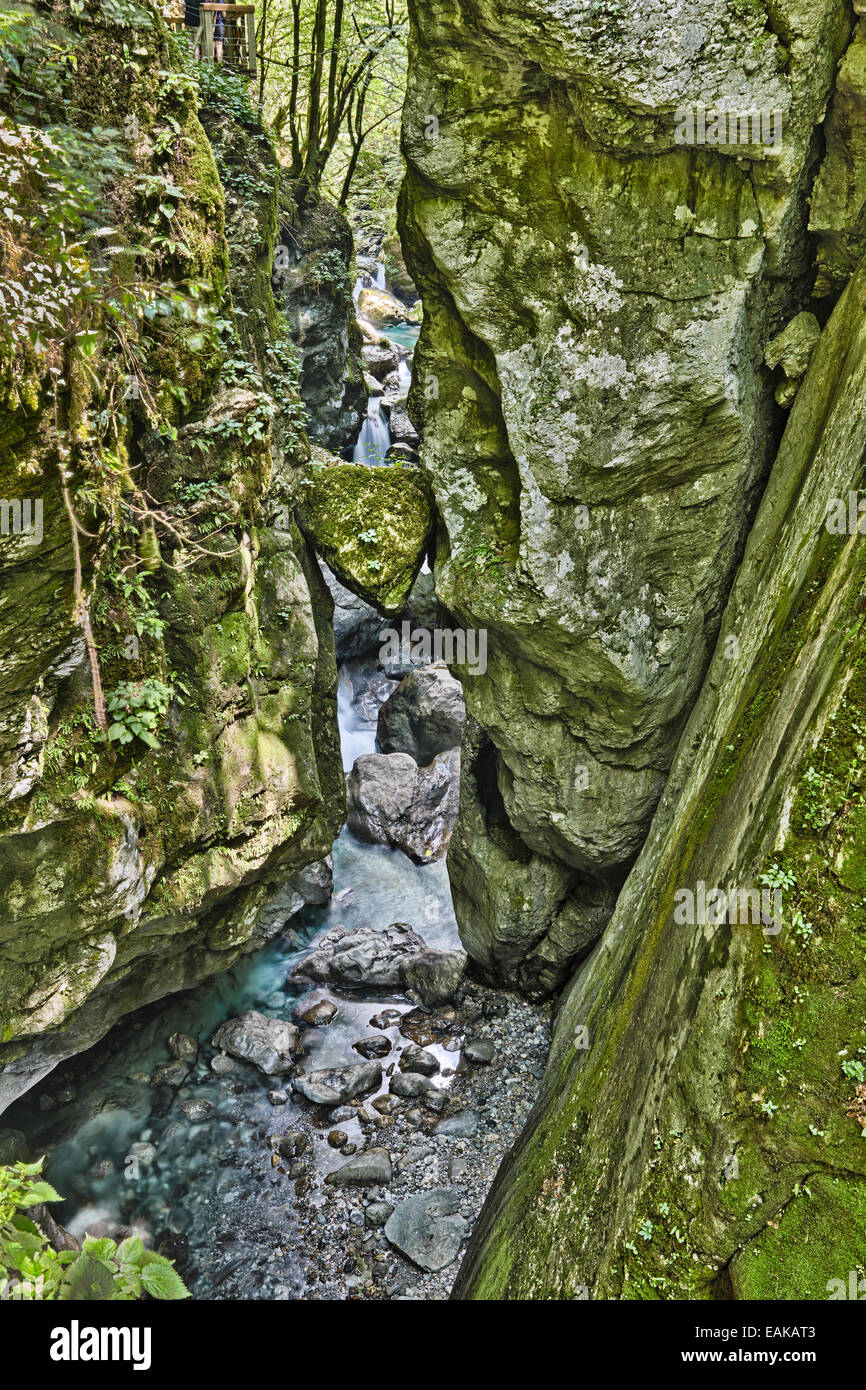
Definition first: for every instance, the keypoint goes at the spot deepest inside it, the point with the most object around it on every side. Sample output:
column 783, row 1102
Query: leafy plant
column 136, row 708
column 30, row 1268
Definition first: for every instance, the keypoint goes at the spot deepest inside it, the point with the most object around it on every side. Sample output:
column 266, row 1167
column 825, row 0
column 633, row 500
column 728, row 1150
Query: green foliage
column 30, row 1268
column 136, row 708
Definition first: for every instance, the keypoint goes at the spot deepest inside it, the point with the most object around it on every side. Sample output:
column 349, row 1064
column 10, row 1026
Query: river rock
column 428, row 1229
column 183, row 1047
column 392, row 801
column 480, row 1051
column 401, row 428
column 377, row 1046
column 170, row 1074
column 198, row 1111
column 270, row 1044
column 317, row 1014
column 336, row 1085
column 409, row 1085
column 380, row 361
column 424, row 715
column 418, row 1059
column 366, row 956
column 435, row 976
column 381, row 309
column 293, row 1143
column 377, row 1214
column 463, row 1125
column 372, row 1168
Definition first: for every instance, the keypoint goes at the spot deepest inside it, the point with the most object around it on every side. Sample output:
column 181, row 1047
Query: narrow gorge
column 432, row 709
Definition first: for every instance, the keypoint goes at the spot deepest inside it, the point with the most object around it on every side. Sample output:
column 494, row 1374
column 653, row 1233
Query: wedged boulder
column 371, row 525
column 435, row 976
column 270, row 1044
column 392, row 801
column 428, row 1229
column 380, row 361
column 337, row 1085
column 367, row 957
column 424, row 716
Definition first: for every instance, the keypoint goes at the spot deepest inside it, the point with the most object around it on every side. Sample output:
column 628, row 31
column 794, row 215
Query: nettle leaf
column 87, row 1279
column 131, row 1250
column 40, row 1192
column 160, row 1278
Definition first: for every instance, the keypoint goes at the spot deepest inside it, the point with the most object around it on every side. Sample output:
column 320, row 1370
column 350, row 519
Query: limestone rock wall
column 128, row 871
column 597, row 419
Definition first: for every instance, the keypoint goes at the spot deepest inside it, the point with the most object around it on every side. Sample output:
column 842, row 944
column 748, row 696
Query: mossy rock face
column 313, row 288
column 371, row 525
column 129, row 871
column 700, row 1128
column 589, row 383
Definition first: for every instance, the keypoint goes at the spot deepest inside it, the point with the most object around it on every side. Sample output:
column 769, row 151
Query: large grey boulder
column 428, row 1229
column 393, row 801
column 435, row 976
column 337, row 1085
column 270, row 1044
column 367, row 956
column 424, row 715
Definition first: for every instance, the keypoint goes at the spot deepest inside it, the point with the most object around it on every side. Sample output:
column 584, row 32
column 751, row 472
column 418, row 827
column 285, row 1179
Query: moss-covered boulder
column 371, row 525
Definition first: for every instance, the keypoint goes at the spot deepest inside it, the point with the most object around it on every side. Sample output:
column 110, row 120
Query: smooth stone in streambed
column 337, row 1138
column 182, row 1047
column 318, row 1014
column 222, row 1065
column 271, row 1044
column 197, row 1111
column 293, row 1143
column 408, row 1084
column 392, row 801
column 428, row 1229
column 387, row 1018
column 481, row 1051
column 377, row 1046
column 386, row 1105
column 278, row 1097
column 463, row 1125
column 372, row 1168
column 170, row 1074
column 377, row 1213
column 336, row 1085
column 417, row 1059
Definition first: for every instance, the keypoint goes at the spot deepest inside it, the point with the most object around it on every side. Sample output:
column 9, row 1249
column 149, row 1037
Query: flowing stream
column 127, row 1156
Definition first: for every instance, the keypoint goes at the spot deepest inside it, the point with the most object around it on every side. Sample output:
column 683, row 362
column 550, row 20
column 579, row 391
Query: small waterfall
column 380, row 275
column 374, row 440
column 404, row 374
